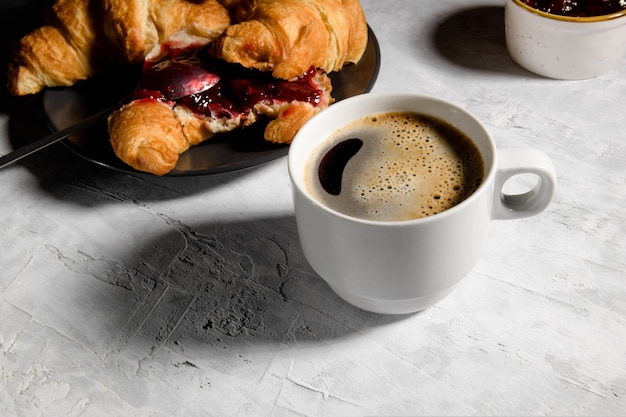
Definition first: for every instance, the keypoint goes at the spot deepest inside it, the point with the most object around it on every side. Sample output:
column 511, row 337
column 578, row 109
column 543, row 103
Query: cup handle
column 513, row 162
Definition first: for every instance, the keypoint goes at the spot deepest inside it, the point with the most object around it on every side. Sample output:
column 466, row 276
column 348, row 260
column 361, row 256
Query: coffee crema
column 395, row 166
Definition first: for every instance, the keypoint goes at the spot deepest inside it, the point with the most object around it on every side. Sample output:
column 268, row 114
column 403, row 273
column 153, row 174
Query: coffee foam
column 410, row 166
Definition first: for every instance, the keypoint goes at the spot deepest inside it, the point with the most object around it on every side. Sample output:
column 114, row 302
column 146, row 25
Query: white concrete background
column 128, row 295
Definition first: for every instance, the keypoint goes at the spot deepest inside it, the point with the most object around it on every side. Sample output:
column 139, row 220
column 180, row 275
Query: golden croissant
column 288, row 36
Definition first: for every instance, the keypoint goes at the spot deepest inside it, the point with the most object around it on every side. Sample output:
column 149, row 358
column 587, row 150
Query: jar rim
column 586, row 19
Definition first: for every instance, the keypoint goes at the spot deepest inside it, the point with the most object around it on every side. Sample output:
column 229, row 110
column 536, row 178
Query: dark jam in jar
column 578, row 8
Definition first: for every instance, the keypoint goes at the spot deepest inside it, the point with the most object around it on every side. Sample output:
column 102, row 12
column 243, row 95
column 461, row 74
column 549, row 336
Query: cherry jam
column 176, row 78
column 240, row 89
column 234, row 89
column 578, row 8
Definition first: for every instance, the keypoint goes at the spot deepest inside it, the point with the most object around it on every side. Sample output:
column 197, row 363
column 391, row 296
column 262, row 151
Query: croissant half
column 147, row 136
column 137, row 26
column 85, row 38
column 287, row 36
column 150, row 133
column 67, row 49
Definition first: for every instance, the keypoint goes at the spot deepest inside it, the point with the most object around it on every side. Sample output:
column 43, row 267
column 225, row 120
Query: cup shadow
column 225, row 285
column 474, row 38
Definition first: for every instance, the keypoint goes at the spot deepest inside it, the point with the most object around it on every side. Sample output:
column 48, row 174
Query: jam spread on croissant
column 242, row 89
column 214, row 88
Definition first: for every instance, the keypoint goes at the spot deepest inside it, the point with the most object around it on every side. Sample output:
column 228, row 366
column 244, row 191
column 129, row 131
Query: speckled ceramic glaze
column 567, row 48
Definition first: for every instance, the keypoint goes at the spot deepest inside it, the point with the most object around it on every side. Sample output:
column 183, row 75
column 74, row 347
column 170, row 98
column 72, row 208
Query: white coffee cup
column 399, row 267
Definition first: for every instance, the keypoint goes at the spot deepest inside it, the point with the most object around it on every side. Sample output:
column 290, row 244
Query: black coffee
column 395, row 166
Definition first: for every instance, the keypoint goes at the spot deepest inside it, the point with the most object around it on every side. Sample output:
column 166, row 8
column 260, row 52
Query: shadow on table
column 474, row 38
column 227, row 285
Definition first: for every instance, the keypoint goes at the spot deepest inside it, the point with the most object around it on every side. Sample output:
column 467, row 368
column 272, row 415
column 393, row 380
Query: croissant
column 84, row 38
column 137, row 26
column 287, row 36
column 66, row 50
column 147, row 136
column 150, row 133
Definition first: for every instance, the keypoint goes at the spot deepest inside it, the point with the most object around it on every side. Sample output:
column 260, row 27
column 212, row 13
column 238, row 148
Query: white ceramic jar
column 561, row 47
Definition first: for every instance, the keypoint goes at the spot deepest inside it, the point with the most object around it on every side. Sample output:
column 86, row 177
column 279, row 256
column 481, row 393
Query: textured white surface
column 125, row 295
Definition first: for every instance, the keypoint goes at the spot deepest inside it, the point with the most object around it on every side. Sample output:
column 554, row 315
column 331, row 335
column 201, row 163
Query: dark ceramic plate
column 225, row 152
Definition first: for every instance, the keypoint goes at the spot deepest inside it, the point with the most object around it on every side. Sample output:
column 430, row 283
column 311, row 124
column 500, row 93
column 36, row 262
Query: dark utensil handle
column 53, row 138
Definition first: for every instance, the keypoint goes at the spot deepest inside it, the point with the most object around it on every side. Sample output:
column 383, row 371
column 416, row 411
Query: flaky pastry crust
column 288, row 36
column 147, row 136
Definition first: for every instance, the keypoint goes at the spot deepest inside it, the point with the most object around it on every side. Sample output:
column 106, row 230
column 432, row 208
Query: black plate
column 225, row 152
